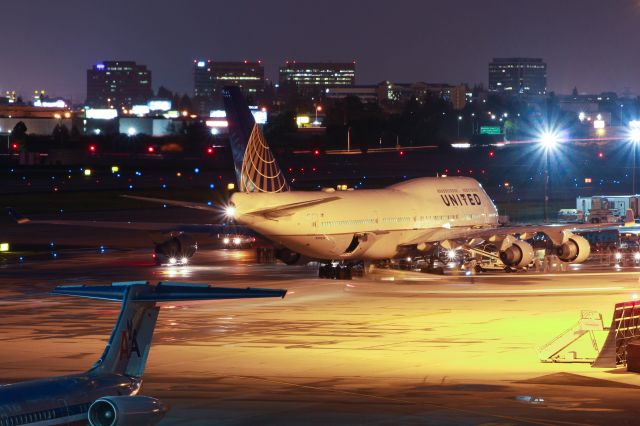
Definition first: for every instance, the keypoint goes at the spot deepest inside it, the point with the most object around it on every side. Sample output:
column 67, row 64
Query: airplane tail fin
column 255, row 166
column 128, row 347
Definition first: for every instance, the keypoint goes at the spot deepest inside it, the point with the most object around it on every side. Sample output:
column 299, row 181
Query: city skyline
column 425, row 41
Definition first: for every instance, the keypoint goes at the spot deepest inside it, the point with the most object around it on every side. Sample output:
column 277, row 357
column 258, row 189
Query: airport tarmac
column 445, row 350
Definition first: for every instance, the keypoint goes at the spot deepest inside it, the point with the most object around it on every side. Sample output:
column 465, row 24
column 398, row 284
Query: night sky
column 594, row 45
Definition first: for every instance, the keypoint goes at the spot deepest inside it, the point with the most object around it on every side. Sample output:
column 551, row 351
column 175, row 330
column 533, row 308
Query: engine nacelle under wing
column 178, row 247
column 576, row 249
column 517, row 255
column 126, row 411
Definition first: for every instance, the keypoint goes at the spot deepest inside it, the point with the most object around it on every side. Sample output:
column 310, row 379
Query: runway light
column 173, row 261
column 184, row 260
column 225, row 241
column 236, row 241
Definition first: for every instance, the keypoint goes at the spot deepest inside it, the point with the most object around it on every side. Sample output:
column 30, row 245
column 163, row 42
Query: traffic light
column 15, row 146
column 151, row 149
column 210, row 150
column 92, row 148
column 316, row 151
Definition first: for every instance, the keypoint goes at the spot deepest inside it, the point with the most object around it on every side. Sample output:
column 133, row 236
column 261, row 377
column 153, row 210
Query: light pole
column 459, row 120
column 318, row 108
column 349, row 139
column 549, row 140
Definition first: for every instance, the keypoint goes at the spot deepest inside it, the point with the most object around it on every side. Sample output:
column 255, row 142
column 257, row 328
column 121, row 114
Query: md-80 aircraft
column 106, row 395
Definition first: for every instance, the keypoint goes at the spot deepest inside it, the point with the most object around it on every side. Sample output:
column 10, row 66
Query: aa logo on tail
column 129, row 342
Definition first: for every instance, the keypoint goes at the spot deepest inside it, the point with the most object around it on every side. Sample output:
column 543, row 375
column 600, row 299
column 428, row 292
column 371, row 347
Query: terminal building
column 524, row 76
column 209, row 77
column 312, row 79
column 118, row 84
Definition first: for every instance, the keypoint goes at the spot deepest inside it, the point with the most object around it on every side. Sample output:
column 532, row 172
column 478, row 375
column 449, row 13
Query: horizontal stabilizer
column 165, row 292
column 185, row 204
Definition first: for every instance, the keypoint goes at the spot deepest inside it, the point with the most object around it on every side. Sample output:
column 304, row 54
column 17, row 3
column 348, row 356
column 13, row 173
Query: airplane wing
column 163, row 227
column 289, row 209
column 557, row 233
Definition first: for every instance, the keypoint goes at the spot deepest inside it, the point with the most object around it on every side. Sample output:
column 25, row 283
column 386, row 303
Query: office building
column 525, row 76
column 118, row 84
column 209, row 77
column 312, row 79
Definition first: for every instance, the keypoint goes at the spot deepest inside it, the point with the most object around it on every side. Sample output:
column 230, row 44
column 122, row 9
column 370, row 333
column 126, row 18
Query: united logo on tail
column 255, row 166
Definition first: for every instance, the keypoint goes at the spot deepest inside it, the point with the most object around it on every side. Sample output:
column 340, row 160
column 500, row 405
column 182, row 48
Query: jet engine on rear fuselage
column 178, row 249
column 126, row 411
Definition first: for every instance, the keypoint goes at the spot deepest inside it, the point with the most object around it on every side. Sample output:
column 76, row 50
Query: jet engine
column 291, row 257
column 176, row 250
column 126, row 411
column 575, row 250
column 517, row 255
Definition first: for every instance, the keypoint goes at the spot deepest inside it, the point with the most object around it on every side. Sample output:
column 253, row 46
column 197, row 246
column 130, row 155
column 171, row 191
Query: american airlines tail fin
column 255, row 166
column 128, row 347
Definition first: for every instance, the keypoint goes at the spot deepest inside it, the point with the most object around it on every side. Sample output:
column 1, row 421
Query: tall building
column 527, row 76
column 312, row 79
column 118, row 84
column 209, row 77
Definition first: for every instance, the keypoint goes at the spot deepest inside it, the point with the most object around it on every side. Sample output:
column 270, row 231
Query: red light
column 92, row 148
column 316, row 152
column 15, row 146
column 151, row 149
column 491, row 153
column 601, row 154
column 290, row 169
column 401, row 152
column 210, row 150
column 446, row 170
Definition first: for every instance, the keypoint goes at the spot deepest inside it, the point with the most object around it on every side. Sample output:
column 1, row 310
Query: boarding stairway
column 554, row 351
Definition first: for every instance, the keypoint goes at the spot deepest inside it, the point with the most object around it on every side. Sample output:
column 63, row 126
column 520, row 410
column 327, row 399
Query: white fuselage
column 366, row 224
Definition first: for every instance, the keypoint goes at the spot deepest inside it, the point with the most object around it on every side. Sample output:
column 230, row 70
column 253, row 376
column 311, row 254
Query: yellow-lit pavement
column 445, row 350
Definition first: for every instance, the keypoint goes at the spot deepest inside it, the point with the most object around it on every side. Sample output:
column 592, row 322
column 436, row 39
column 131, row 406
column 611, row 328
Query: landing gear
column 335, row 272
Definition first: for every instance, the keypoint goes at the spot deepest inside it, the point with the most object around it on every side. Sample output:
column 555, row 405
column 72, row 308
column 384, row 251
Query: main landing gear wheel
column 338, row 272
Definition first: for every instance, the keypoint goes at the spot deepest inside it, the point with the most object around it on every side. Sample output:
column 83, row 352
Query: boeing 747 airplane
column 411, row 218
column 107, row 394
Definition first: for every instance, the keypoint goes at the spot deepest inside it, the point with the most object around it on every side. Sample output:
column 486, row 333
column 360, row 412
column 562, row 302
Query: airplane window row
column 40, row 416
column 348, row 222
